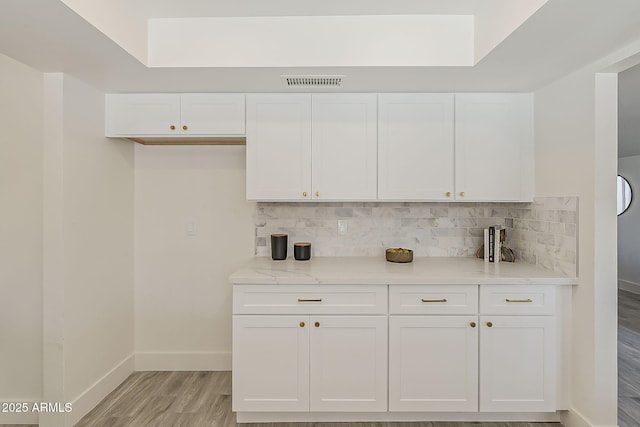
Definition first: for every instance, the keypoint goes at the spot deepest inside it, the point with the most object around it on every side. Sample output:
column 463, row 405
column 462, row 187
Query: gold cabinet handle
column 317, row 324
column 472, row 324
column 518, row 300
column 317, row 194
column 489, row 324
column 434, row 300
column 462, row 193
column 302, row 324
column 304, row 194
column 309, row 300
column 172, row 127
column 185, row 127
column 448, row 193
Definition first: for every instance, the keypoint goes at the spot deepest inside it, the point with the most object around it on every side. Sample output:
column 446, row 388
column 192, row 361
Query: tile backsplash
column 542, row 232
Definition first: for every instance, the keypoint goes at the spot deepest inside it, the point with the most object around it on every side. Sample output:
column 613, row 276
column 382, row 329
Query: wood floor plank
column 628, row 359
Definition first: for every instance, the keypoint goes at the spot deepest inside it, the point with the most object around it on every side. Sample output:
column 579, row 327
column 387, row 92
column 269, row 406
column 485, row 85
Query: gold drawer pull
column 472, row 324
column 434, row 300
column 489, row 324
column 518, row 300
column 317, row 324
column 309, row 300
column 302, row 324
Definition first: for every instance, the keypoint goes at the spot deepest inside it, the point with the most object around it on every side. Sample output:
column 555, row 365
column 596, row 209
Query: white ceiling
column 219, row 8
column 562, row 36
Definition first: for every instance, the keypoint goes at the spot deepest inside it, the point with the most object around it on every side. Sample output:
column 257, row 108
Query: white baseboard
column 625, row 285
column 88, row 399
column 184, row 361
column 29, row 418
column 370, row 417
column 573, row 418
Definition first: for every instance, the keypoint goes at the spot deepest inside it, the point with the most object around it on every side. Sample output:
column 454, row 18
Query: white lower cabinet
column 433, row 363
column 405, row 348
column 326, row 352
column 302, row 363
column 517, row 364
column 270, row 363
column 489, row 362
column 348, row 363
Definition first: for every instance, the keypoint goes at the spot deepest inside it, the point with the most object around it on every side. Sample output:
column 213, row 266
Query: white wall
column 629, row 228
column 88, row 256
column 182, row 293
column 21, row 103
column 576, row 149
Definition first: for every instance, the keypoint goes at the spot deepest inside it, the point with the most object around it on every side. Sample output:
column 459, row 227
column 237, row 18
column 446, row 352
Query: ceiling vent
column 311, row 82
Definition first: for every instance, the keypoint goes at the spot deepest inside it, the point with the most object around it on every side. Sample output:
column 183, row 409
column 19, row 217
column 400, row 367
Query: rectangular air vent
column 313, row 81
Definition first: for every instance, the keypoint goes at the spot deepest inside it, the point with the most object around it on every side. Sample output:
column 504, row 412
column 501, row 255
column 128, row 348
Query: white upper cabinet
column 415, row 146
column 212, row 114
column 143, row 114
column 494, row 147
column 312, row 147
column 278, row 147
column 198, row 114
column 344, row 146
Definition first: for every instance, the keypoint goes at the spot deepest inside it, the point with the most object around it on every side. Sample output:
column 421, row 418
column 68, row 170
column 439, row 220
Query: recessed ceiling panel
column 222, row 8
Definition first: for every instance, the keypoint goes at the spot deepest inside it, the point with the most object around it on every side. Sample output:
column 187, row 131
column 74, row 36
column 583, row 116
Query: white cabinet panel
column 517, row 299
column 143, row 114
column 348, row 369
column 494, row 147
column 212, row 114
column 310, row 299
column 270, row 363
column 415, row 146
column 279, row 147
column 433, row 299
column 517, row 364
column 173, row 114
column 433, row 363
column 344, row 133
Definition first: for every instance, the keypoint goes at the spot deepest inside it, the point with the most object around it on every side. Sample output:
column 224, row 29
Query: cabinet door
column 279, row 147
column 415, row 146
column 348, row 359
column 433, row 363
column 212, row 114
column 344, row 146
column 270, row 363
column 494, row 147
column 517, row 364
column 143, row 114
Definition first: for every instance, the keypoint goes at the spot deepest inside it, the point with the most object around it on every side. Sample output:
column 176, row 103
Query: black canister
column 302, row 251
column 279, row 246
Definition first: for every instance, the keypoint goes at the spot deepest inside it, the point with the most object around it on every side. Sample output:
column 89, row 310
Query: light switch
column 342, row 227
column 190, row 228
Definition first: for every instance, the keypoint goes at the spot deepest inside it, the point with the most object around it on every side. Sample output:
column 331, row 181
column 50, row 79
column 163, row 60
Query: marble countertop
column 374, row 270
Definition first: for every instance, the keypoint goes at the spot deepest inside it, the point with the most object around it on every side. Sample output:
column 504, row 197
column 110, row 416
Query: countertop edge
column 373, row 271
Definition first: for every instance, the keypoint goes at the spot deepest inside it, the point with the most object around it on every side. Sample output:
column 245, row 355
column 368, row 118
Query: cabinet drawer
column 517, row 299
column 433, row 299
column 310, row 299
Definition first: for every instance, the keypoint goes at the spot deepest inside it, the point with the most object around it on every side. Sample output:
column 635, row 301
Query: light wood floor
column 628, row 359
